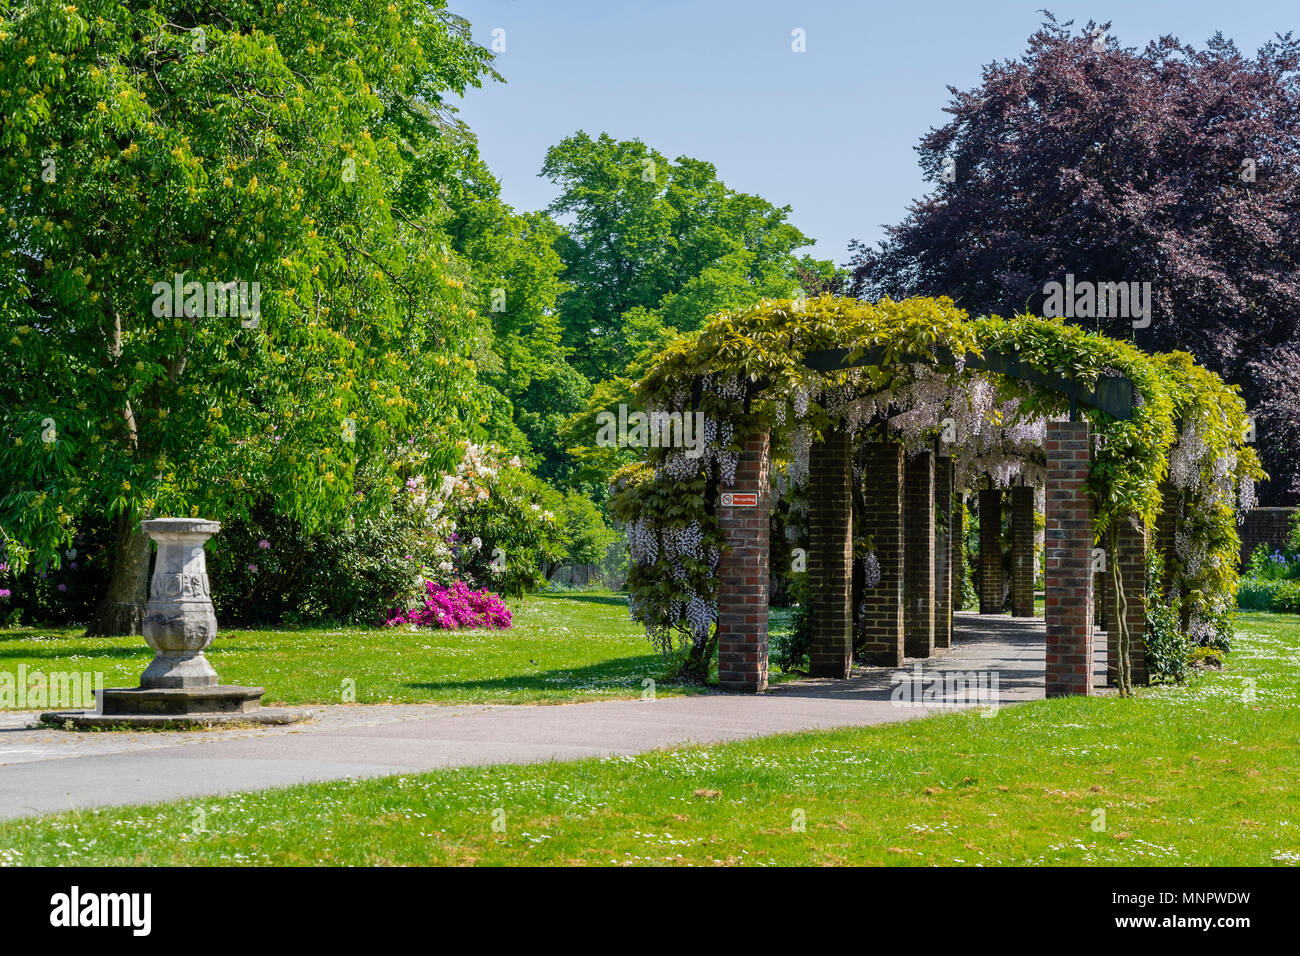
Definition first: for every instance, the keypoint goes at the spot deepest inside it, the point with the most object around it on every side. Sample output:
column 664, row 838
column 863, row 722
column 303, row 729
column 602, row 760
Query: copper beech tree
column 1172, row 164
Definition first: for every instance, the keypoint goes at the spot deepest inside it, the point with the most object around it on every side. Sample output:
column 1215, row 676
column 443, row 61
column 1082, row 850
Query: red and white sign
column 740, row 500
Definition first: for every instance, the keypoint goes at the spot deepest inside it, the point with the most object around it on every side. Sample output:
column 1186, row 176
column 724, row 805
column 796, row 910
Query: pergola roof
column 1112, row 394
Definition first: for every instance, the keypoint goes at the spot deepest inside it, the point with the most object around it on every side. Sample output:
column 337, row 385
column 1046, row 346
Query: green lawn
column 563, row 647
column 1205, row 773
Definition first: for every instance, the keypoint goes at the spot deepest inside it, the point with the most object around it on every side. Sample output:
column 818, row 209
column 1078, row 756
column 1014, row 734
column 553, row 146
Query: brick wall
column 830, row 554
column 1022, row 551
column 958, row 549
column 1068, row 555
column 990, row 566
column 918, row 555
column 743, row 572
column 1131, row 558
column 882, row 519
column 1166, row 521
column 943, row 551
column 1267, row 526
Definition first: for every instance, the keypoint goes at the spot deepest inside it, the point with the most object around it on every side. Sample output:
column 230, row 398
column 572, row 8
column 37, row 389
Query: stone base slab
column 219, row 699
column 188, row 706
column 89, row 720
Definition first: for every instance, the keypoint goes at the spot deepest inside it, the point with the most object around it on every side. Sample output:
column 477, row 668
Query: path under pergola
column 912, row 512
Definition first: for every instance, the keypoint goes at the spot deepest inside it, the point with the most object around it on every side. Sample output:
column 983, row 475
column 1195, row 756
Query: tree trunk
column 695, row 669
column 121, row 612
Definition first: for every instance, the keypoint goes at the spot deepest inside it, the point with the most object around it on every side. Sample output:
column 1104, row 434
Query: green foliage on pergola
column 751, row 367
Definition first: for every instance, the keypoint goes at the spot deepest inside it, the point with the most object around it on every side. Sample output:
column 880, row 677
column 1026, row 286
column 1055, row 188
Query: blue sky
column 830, row 132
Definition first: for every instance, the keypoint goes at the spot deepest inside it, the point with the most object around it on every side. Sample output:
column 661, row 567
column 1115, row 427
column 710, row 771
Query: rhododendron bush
column 484, row 520
column 1184, row 447
column 455, row 606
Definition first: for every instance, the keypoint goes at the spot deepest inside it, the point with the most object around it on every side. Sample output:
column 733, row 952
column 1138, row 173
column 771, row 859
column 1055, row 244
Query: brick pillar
column 1068, row 560
column 1166, row 521
column 1099, row 600
column 990, row 567
column 943, row 479
column 1163, row 540
column 882, row 490
column 742, row 572
column 1022, row 551
column 958, row 550
column 1132, row 558
column 830, row 554
column 918, row 555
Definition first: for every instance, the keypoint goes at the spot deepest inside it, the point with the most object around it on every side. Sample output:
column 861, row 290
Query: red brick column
column 1022, row 551
column 743, row 570
column 1167, row 523
column 958, row 550
column 1132, row 558
column 882, row 490
column 830, row 554
column 990, row 568
column 1068, row 560
column 1099, row 600
column 918, row 555
column 943, row 528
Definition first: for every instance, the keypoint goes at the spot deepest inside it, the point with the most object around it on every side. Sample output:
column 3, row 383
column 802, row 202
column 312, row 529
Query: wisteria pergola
column 919, row 509
column 873, row 420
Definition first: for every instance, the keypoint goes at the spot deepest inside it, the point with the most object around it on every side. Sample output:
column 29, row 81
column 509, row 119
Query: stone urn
column 179, row 688
column 179, row 621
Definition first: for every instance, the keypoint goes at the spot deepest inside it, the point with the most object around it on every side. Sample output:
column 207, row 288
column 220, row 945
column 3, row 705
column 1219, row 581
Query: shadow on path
column 1010, row 650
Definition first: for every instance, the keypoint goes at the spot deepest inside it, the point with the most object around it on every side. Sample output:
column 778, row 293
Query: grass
column 1200, row 774
column 563, row 647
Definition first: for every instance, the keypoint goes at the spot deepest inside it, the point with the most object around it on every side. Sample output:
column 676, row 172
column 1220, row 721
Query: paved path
column 43, row 771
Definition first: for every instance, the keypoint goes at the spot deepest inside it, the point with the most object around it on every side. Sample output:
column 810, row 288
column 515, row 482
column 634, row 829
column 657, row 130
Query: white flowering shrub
column 506, row 534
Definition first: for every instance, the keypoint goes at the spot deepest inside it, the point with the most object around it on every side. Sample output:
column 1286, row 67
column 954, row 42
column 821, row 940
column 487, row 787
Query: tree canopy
column 654, row 245
column 154, row 154
column 1172, row 164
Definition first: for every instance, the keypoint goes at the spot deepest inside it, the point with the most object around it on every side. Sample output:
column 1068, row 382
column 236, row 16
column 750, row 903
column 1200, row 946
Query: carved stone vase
column 179, row 621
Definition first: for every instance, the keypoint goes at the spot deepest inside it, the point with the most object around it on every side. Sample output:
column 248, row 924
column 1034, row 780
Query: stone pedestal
column 179, row 621
column 179, row 686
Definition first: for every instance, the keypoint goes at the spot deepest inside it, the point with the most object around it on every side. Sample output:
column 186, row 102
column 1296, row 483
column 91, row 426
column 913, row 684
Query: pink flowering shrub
column 455, row 606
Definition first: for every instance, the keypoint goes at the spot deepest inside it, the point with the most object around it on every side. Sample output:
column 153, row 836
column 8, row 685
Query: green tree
column 517, row 276
column 667, row 241
column 588, row 536
column 281, row 144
